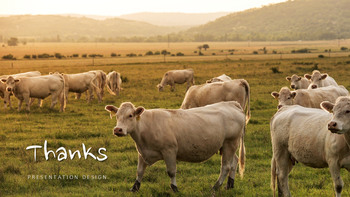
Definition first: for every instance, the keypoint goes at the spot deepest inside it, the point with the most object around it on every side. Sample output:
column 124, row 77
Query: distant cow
column 209, row 93
column 220, row 78
column 297, row 82
column 6, row 94
column 192, row 135
column 309, row 97
column 177, row 76
column 114, row 83
column 37, row 87
column 320, row 80
column 303, row 135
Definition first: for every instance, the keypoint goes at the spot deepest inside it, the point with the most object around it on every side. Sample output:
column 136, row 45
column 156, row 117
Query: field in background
column 90, row 123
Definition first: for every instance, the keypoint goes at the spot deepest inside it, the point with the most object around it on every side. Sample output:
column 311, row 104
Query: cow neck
column 136, row 134
column 347, row 138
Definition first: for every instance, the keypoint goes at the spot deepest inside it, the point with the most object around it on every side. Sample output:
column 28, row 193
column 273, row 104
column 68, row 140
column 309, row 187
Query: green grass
column 90, row 124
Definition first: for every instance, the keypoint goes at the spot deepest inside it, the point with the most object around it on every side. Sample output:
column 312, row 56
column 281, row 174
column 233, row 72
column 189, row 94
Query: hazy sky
column 119, row 7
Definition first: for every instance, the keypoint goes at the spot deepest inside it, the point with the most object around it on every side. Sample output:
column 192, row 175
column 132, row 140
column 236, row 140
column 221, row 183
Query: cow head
column 160, row 87
column 340, row 122
column 10, row 83
column 316, row 79
column 127, row 116
column 284, row 97
column 294, row 81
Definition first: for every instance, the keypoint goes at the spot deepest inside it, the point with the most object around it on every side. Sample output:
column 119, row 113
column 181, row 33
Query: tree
column 164, row 52
column 205, row 46
column 200, row 50
column 12, row 42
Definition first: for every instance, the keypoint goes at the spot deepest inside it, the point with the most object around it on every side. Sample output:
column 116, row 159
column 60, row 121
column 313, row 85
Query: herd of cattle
column 212, row 118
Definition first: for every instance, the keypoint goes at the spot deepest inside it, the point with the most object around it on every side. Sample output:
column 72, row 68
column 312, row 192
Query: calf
column 320, row 80
column 192, row 135
column 114, row 83
column 297, row 82
column 309, row 97
column 177, row 76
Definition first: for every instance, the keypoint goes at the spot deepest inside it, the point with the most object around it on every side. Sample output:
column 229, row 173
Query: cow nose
column 314, row 86
column 118, row 131
column 332, row 125
column 279, row 106
column 292, row 86
column 9, row 89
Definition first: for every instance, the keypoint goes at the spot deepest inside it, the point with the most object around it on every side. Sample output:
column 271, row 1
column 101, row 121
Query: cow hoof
column 230, row 183
column 216, row 187
column 174, row 188
column 136, row 186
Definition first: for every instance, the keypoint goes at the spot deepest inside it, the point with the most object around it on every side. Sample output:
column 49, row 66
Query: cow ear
column 17, row 80
column 112, row 110
column 324, row 76
column 307, row 76
column 275, row 95
column 139, row 111
column 294, row 94
column 50, row 73
column 299, row 78
column 288, row 78
column 327, row 106
column 3, row 80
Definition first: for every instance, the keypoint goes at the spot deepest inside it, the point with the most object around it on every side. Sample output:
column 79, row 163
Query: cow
column 313, row 137
column 320, row 80
column 99, row 84
column 209, row 93
column 220, row 78
column 309, row 97
column 6, row 94
column 177, row 76
column 297, row 82
column 81, row 82
column 192, row 135
column 37, row 87
column 114, row 83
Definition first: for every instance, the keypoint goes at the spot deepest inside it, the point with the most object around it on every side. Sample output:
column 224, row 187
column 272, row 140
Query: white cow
column 220, row 78
column 303, row 135
column 37, row 87
column 6, row 94
column 192, row 135
column 297, row 82
column 309, row 97
column 177, row 76
column 114, row 83
column 209, row 93
column 320, row 80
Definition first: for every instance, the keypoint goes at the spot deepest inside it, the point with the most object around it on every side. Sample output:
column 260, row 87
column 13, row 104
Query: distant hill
column 54, row 27
column 291, row 20
column 174, row 19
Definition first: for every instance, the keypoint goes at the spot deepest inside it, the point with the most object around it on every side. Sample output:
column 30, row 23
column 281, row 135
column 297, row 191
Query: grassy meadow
column 90, row 123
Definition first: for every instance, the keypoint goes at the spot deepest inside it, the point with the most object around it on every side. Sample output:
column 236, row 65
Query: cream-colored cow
column 6, row 94
column 297, row 82
column 320, row 80
column 37, row 87
column 209, row 93
column 220, row 78
column 114, row 83
column 309, row 97
column 192, row 135
column 177, row 76
column 313, row 137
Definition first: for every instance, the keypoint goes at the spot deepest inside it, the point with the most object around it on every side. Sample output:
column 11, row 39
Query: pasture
column 90, row 123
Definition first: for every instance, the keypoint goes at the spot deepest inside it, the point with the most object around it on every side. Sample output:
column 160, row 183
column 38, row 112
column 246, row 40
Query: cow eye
column 288, row 98
column 347, row 111
column 130, row 116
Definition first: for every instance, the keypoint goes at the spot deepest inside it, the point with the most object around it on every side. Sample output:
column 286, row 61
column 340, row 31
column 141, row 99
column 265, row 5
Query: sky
column 120, row 7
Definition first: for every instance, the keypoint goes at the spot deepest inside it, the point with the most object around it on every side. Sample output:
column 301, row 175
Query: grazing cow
column 81, row 82
column 6, row 94
column 209, row 93
column 297, row 82
column 114, row 83
column 319, row 80
column 303, row 135
column 192, row 135
column 309, row 97
column 177, row 76
column 37, row 87
column 220, row 78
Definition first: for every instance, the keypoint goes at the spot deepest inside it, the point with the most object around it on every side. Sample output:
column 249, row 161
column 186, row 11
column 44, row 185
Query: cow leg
column 7, row 99
column 27, row 101
column 77, row 96
column 54, row 99
column 334, row 168
column 284, row 166
column 227, row 161
column 19, row 104
column 170, row 162
column 141, row 167
column 89, row 94
column 232, row 173
column 40, row 102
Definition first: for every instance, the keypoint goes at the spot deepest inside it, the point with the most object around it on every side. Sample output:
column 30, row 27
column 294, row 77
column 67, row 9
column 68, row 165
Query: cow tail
column 103, row 83
column 109, row 87
column 96, row 87
column 241, row 158
column 247, row 101
column 273, row 176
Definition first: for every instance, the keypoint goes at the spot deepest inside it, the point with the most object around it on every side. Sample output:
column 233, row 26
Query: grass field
column 90, row 123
